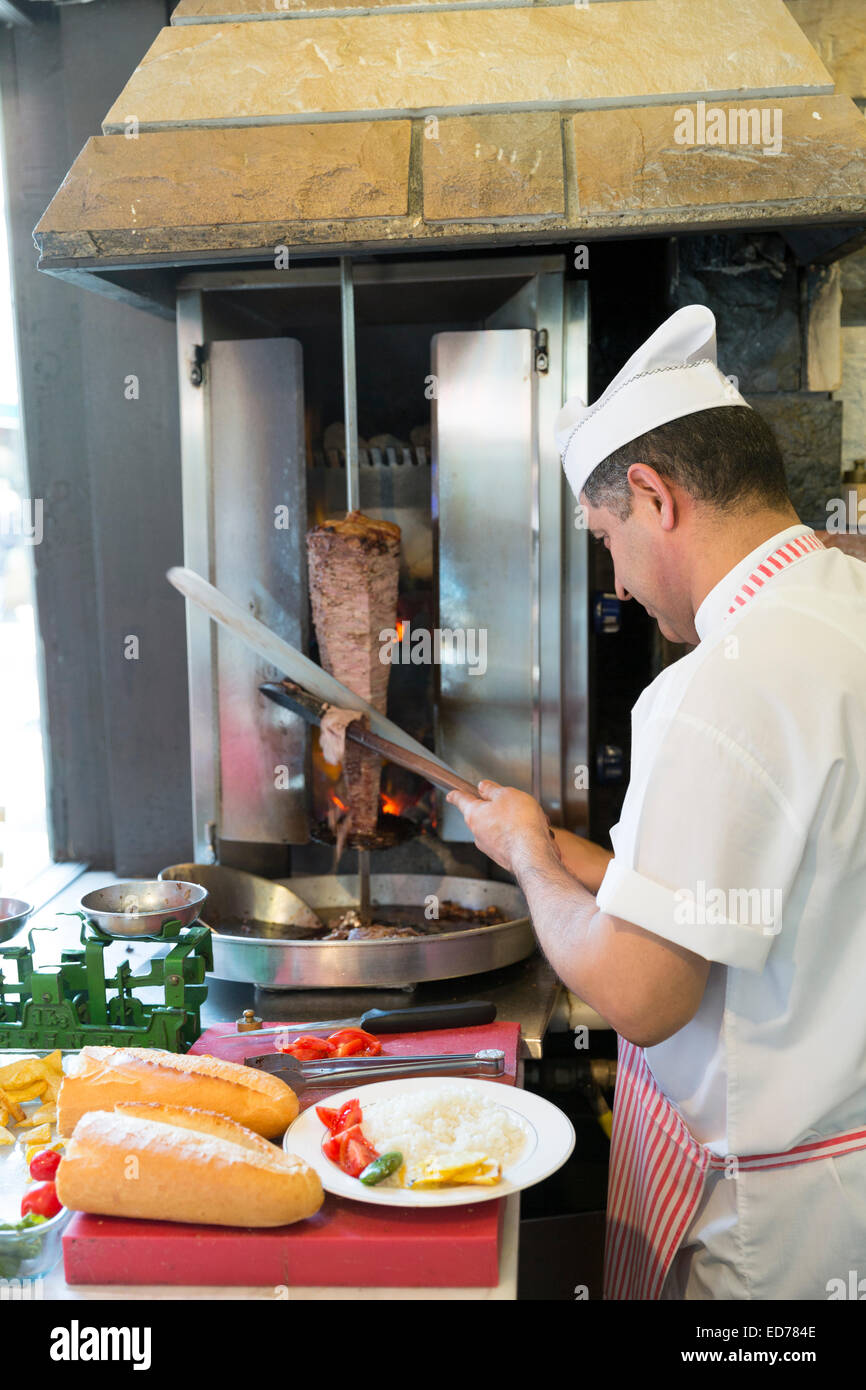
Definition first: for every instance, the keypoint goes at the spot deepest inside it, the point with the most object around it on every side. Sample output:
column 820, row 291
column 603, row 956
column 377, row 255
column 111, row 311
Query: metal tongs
column 340, row 1071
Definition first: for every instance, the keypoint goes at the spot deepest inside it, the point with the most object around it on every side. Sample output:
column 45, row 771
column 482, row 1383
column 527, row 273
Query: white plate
column 549, row 1141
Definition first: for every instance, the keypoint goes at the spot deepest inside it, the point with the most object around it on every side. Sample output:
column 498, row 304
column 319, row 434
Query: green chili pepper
column 381, row 1168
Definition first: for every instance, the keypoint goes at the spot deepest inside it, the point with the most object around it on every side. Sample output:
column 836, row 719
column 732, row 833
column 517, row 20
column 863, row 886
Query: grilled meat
column 353, row 572
column 481, row 916
column 349, row 928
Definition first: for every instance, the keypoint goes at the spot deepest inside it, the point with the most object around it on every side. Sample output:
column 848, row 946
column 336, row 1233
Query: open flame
column 396, row 801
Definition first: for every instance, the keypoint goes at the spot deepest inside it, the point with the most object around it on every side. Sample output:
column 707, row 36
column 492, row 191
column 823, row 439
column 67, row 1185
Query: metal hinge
column 542, row 356
column 196, row 365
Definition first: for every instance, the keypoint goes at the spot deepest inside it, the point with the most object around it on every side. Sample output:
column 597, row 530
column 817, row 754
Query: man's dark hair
column 726, row 457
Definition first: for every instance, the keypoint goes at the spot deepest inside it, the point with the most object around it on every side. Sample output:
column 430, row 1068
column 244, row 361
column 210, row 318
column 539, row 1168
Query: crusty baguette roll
column 100, row 1077
column 186, row 1117
column 122, row 1164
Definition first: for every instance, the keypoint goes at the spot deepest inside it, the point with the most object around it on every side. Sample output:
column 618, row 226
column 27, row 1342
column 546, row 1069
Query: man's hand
column 647, row 988
column 506, row 823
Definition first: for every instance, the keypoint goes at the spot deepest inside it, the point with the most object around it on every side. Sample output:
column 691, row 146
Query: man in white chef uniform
column 725, row 939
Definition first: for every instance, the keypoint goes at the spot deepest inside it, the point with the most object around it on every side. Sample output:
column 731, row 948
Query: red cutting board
column 346, row 1244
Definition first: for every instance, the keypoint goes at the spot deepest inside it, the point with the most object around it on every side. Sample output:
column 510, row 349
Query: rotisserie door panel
column 258, row 482
column 485, row 484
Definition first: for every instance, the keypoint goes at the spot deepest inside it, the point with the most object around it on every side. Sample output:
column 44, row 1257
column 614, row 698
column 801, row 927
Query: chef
column 725, row 937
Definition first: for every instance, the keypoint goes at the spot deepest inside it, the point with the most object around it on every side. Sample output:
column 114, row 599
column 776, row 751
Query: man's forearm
column 583, row 858
column 646, row 988
column 561, row 908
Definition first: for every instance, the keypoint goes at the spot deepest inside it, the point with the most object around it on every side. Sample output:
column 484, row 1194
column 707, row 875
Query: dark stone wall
column 757, row 290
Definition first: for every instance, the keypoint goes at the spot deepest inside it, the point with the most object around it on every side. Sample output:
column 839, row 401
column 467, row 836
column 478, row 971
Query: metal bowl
column 236, row 898
column 142, row 906
column 13, row 914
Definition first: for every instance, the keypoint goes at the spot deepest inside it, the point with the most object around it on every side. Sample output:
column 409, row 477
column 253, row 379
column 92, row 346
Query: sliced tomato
column 347, row 1037
column 308, row 1049
column 355, row 1152
column 347, row 1116
column 327, row 1116
column 42, row 1201
column 331, row 1148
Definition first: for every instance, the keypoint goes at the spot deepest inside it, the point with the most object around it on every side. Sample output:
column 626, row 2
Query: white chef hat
column 672, row 374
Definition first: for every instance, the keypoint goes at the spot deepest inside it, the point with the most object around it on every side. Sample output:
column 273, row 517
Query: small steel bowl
column 142, row 906
column 13, row 914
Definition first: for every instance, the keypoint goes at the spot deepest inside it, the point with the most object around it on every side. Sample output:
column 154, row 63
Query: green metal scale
column 74, row 1004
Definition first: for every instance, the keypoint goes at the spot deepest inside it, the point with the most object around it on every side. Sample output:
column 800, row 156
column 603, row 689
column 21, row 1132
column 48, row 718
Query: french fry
column 31, row 1092
column 53, row 1071
column 6, row 1138
column 41, row 1135
column 17, row 1074
column 46, row 1114
column 15, row 1113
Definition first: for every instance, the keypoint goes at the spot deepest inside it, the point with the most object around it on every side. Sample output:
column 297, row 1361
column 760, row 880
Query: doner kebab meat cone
column 353, row 571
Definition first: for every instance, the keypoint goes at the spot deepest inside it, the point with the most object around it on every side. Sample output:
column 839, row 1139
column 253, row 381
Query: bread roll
column 186, row 1117
column 192, row 1167
column 100, row 1077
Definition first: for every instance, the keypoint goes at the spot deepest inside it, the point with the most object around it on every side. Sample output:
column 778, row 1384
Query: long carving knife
column 288, row 659
column 292, row 696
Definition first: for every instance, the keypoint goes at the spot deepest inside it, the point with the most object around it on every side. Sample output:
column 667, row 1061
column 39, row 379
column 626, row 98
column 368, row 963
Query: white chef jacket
column 748, row 773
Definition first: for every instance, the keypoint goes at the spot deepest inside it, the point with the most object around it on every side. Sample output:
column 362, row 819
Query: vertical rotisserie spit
column 353, row 573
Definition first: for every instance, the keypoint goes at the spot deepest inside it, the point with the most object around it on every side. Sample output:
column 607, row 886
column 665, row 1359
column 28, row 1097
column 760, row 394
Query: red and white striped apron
column 657, row 1176
column 657, row 1169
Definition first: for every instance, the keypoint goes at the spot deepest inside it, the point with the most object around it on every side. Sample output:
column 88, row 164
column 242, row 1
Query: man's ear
column 647, row 483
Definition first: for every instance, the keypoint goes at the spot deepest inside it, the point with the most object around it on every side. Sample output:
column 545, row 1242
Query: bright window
column 23, row 826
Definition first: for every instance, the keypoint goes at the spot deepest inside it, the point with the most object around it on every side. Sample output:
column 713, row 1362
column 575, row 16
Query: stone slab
column 493, row 166
column 837, row 31
column 241, row 11
column 627, row 159
column 273, row 173
column 631, row 51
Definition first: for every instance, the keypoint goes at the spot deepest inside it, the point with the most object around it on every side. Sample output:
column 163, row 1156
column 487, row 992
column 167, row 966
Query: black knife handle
column 433, row 1016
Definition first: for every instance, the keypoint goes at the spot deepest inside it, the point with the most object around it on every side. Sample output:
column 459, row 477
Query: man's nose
column 622, row 592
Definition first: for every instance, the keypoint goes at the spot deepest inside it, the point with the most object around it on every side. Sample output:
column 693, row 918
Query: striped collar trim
column 753, row 573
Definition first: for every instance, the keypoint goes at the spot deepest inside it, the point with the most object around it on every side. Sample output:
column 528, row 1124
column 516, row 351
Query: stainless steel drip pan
column 398, row 962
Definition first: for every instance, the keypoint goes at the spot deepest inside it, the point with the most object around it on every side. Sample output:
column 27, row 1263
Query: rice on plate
column 433, row 1123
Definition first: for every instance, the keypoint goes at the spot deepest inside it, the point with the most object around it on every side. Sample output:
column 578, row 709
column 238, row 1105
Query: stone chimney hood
column 340, row 126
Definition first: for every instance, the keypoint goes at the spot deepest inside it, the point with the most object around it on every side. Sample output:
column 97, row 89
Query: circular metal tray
column 392, row 963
